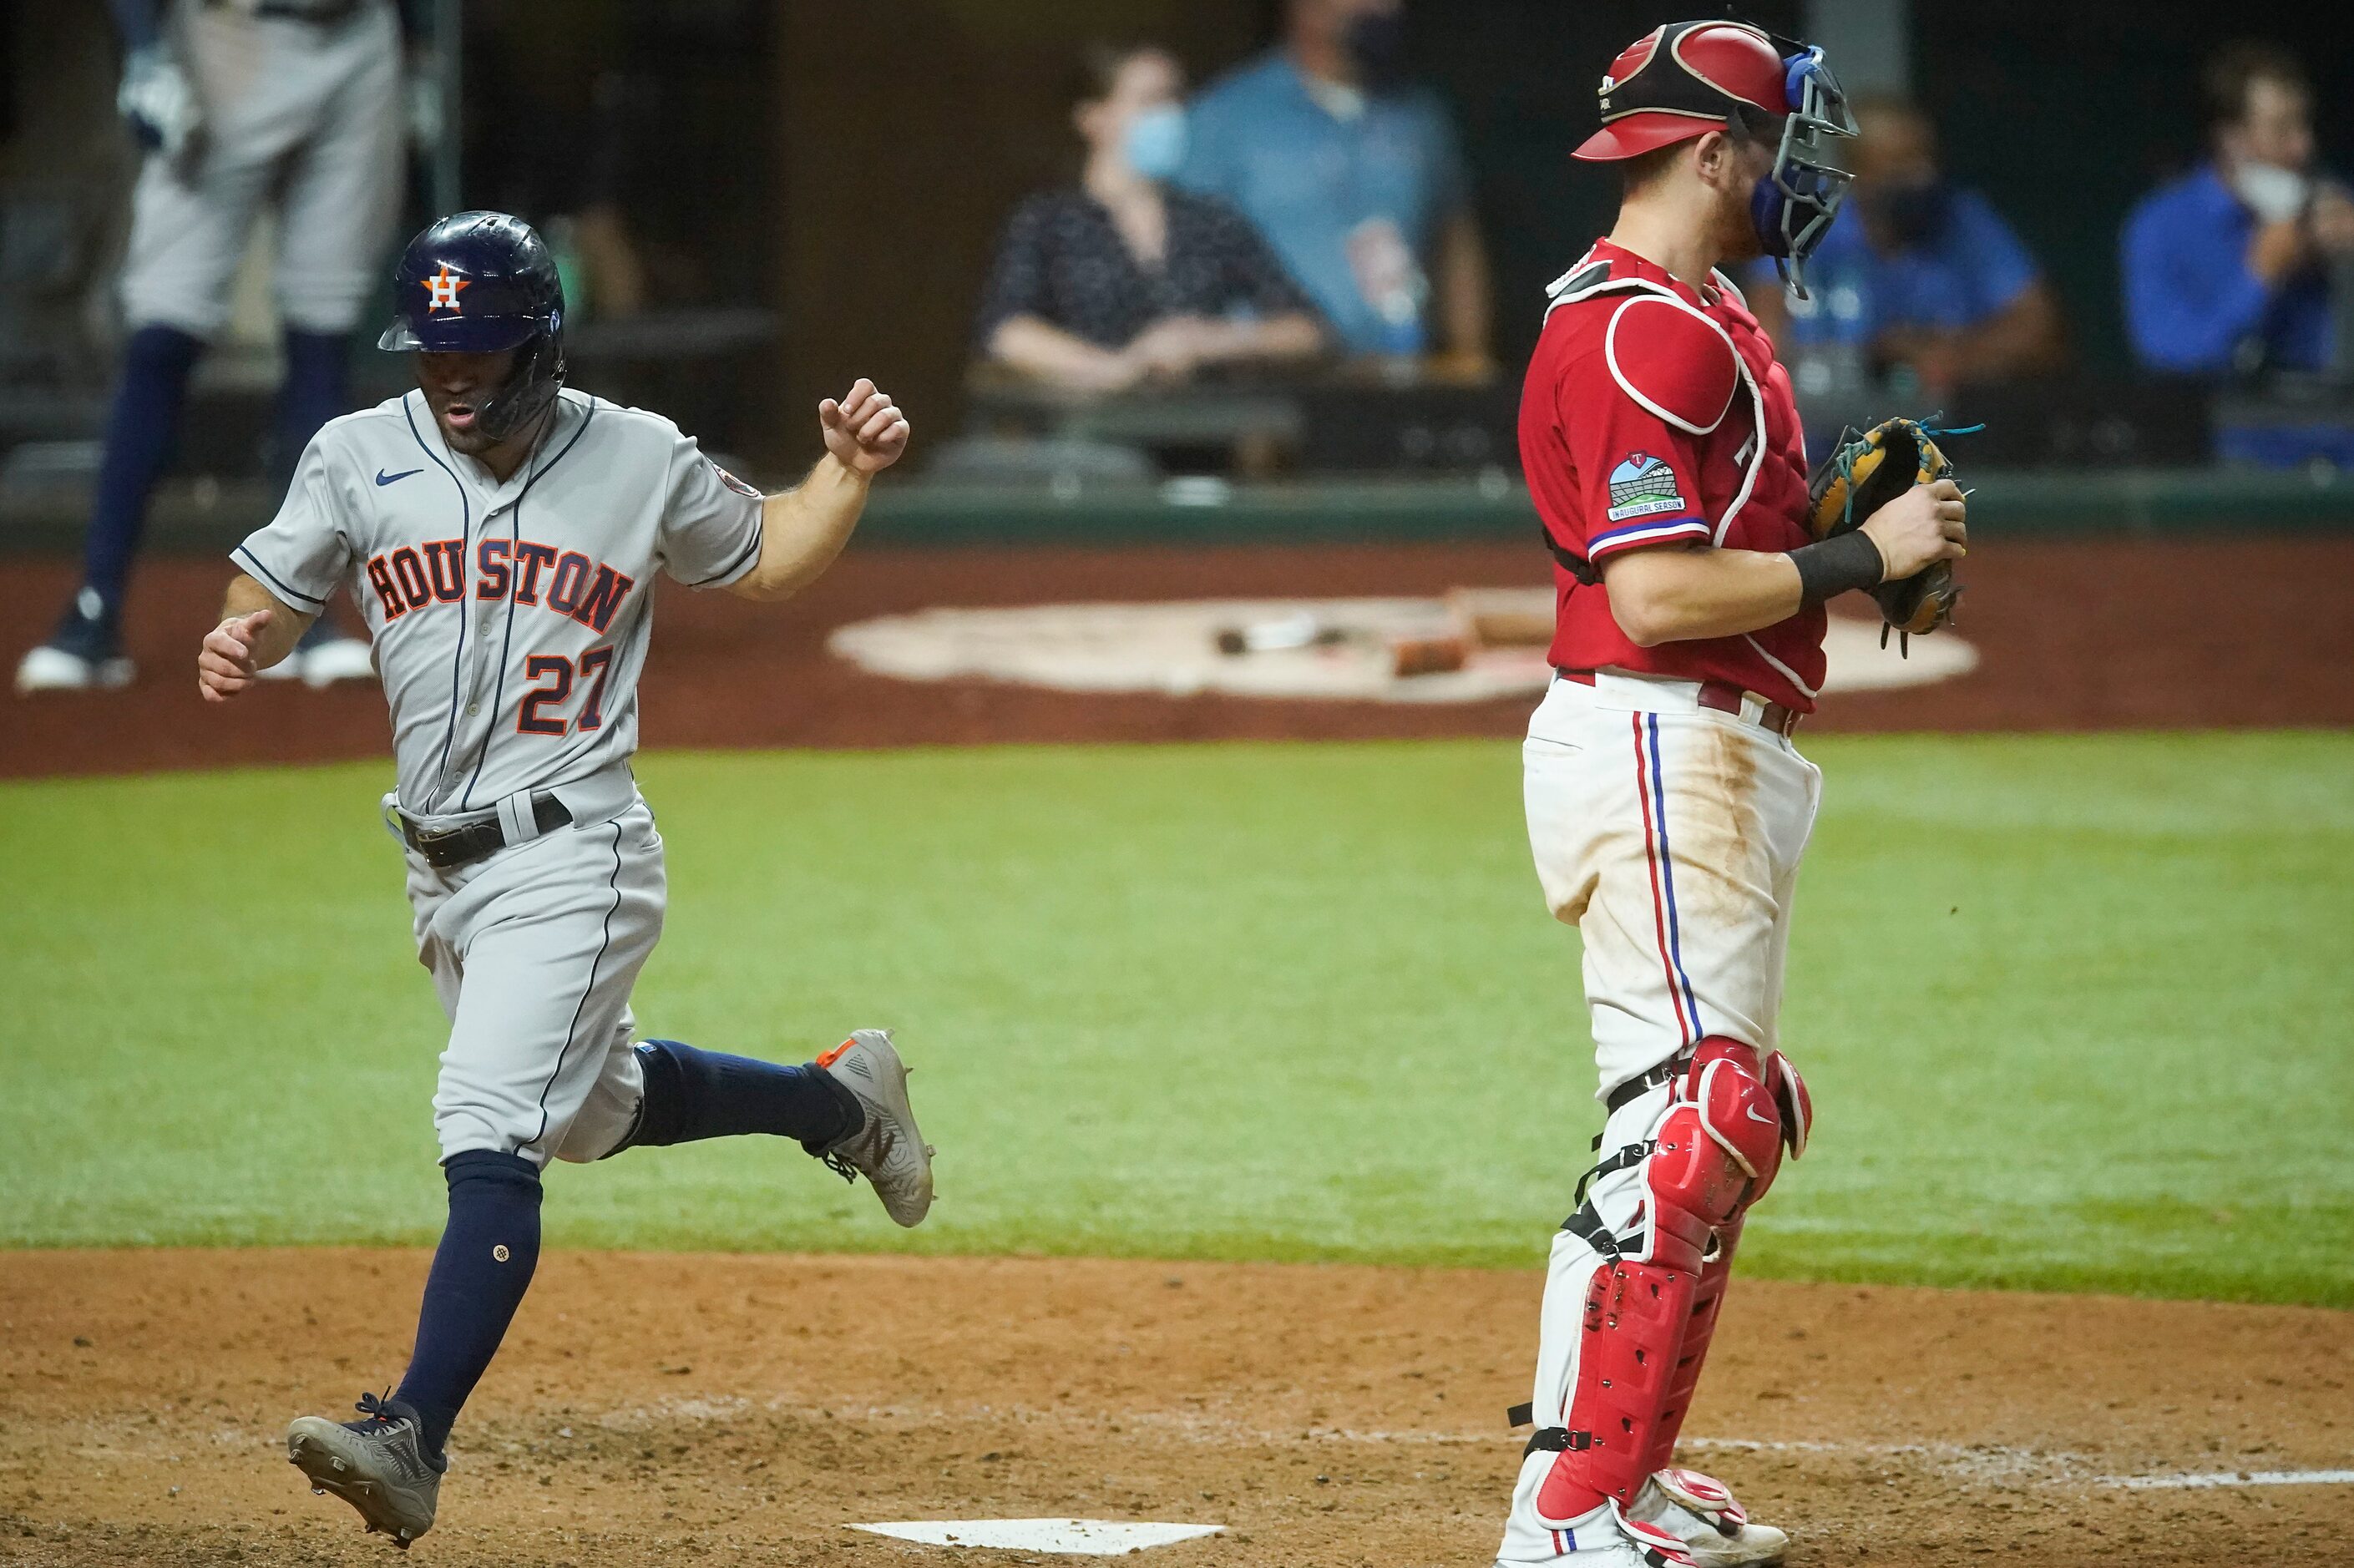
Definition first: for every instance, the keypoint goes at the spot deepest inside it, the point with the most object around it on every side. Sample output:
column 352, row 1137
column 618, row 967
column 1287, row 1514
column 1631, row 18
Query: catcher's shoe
column 1609, row 1538
column 377, row 1463
column 887, row 1149
column 1698, row 1511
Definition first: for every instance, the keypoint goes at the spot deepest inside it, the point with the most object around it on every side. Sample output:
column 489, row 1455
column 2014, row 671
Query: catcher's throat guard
column 1793, row 206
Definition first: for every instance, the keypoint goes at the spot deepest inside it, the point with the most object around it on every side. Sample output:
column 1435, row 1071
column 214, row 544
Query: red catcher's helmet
column 1684, row 80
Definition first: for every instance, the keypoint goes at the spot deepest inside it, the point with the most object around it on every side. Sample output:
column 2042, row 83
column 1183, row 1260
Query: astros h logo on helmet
column 441, row 290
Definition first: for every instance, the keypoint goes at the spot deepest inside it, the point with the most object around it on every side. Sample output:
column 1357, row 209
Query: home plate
column 1077, row 1537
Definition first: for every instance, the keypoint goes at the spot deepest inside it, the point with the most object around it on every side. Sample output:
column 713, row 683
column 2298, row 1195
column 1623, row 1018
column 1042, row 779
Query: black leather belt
column 447, row 848
column 320, row 11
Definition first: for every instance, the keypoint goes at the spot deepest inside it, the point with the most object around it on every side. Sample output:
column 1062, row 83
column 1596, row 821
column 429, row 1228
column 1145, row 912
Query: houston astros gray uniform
column 502, row 535
column 511, row 622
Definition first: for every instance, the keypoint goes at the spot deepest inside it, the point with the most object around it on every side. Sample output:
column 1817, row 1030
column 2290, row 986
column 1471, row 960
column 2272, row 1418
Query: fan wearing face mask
column 1919, row 273
column 1354, row 175
column 1120, row 279
column 2230, row 268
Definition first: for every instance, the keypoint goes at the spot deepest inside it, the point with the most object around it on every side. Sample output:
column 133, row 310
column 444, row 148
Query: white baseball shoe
column 887, row 1149
column 1698, row 1511
column 337, row 660
column 83, row 655
column 323, row 657
column 52, row 669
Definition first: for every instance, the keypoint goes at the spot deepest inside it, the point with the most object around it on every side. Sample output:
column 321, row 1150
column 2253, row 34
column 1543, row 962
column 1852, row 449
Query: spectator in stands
column 1355, row 177
column 1121, row 278
column 2227, row 269
column 1916, row 273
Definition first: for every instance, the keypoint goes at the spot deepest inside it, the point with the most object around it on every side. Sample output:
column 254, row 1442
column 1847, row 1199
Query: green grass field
column 2078, row 1011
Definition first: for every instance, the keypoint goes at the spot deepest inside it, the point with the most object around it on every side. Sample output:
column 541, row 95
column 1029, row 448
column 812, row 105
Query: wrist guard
column 1832, row 566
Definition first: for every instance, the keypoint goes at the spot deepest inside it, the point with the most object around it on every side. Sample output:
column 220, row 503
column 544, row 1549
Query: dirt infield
column 736, row 1409
column 2118, row 633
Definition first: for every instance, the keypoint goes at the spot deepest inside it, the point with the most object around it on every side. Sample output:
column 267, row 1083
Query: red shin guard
column 1708, row 1297
column 1652, row 1310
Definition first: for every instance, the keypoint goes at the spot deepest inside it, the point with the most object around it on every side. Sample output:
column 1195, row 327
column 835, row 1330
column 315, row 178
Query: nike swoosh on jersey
column 383, row 477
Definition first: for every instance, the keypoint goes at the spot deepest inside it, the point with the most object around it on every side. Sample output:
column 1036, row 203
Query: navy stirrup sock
column 480, row 1273
column 140, row 430
column 692, row 1094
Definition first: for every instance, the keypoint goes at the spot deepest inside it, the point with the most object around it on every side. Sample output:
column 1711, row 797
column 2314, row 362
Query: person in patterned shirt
column 1121, row 278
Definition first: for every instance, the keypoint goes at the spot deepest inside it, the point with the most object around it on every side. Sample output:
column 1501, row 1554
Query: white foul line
column 2236, row 1478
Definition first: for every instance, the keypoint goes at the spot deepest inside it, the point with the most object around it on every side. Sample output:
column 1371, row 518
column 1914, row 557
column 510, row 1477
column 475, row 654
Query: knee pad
column 1715, row 1154
column 1651, row 1308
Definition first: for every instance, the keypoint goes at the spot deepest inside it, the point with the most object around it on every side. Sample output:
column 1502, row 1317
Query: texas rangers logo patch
column 441, row 291
column 1642, row 486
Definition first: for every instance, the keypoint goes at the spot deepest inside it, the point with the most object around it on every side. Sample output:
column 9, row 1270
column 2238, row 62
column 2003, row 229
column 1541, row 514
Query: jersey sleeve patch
column 1643, row 486
column 1648, row 506
column 1673, row 361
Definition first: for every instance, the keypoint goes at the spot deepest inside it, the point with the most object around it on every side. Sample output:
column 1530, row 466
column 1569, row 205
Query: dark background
column 848, row 167
column 2063, row 115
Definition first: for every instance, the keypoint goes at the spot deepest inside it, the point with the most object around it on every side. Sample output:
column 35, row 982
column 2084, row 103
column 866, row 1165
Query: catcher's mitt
column 1865, row 474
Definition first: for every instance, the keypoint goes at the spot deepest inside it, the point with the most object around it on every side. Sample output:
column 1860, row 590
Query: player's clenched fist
column 1927, row 523
column 864, row 431
column 225, row 663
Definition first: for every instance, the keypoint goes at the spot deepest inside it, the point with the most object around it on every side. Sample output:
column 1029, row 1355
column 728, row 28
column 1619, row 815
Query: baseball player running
column 1667, row 806
column 501, row 532
column 239, row 104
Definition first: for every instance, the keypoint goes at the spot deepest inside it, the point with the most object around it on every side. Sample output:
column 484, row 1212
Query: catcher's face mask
column 1792, row 206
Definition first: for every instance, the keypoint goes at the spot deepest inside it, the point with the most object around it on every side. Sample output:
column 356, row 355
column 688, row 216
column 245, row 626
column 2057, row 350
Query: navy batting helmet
column 477, row 282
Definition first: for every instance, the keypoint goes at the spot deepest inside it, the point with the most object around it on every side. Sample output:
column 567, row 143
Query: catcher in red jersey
column 1668, row 806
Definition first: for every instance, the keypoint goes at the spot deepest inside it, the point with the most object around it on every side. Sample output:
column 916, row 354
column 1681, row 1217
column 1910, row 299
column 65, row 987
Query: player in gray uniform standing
column 501, row 532
column 239, row 105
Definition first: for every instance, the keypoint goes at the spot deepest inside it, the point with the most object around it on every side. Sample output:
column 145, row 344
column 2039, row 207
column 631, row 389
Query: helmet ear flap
column 531, row 385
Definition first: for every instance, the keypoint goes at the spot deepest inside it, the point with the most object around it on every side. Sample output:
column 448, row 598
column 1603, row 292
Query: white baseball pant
column 1670, row 835
column 306, row 114
column 533, row 952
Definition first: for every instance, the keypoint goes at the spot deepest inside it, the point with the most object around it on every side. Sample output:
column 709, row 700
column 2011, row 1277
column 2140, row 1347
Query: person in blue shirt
column 1354, row 177
column 2227, row 270
column 1916, row 271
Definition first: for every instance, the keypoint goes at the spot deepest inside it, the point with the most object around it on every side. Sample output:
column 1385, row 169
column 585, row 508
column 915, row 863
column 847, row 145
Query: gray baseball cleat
column 887, row 1149
column 377, row 1463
